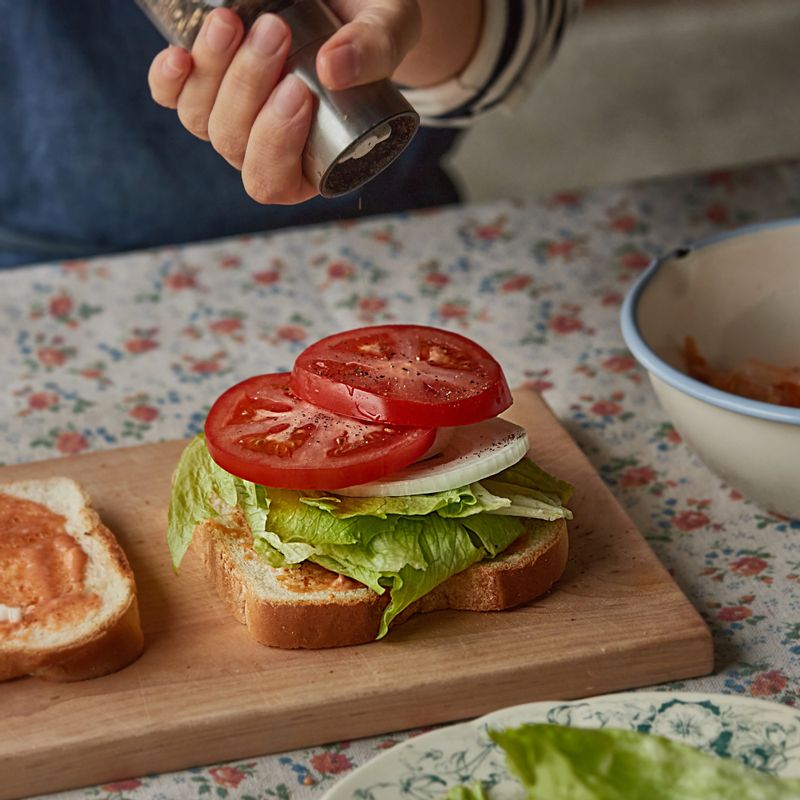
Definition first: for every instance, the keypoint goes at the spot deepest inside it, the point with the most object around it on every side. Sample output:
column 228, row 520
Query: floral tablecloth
column 113, row 351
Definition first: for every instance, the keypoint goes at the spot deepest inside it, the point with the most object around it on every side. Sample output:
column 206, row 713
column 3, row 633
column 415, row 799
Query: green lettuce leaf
column 195, row 482
column 294, row 520
column 279, row 553
column 525, row 502
column 494, row 534
column 448, row 549
column 555, row 761
column 453, row 503
column 527, row 475
column 530, row 492
column 473, row 792
column 254, row 502
column 409, row 556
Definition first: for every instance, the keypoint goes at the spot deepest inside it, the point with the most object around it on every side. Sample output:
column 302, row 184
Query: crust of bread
column 108, row 644
column 324, row 617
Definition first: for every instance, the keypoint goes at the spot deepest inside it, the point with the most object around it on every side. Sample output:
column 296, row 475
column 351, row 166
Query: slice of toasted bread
column 62, row 621
column 310, row 607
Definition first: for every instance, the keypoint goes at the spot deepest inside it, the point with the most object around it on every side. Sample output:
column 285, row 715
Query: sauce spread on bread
column 311, row 577
column 42, row 567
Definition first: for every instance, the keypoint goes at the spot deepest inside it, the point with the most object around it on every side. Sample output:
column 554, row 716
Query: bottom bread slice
column 310, row 607
column 94, row 637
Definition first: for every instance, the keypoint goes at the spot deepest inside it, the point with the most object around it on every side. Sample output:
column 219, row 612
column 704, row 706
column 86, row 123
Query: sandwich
column 373, row 482
column 68, row 608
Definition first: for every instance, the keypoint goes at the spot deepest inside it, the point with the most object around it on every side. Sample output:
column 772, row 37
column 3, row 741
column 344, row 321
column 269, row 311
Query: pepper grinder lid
column 355, row 133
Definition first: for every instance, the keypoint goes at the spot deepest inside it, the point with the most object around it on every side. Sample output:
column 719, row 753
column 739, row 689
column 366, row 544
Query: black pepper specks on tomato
column 260, row 431
column 402, row 374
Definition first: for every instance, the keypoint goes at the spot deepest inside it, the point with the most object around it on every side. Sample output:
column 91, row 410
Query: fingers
column 228, row 92
column 168, row 73
column 372, row 45
column 272, row 168
column 248, row 82
column 212, row 54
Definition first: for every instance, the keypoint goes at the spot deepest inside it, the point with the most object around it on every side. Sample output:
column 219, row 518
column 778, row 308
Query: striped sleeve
column 519, row 38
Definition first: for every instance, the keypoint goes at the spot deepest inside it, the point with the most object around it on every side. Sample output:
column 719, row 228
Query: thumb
column 375, row 38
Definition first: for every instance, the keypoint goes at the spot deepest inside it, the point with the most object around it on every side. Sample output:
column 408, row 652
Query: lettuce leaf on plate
column 406, row 545
column 554, row 762
column 474, row 791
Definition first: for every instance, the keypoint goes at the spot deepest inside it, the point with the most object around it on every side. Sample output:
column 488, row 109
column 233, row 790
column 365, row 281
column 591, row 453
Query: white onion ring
column 474, row 452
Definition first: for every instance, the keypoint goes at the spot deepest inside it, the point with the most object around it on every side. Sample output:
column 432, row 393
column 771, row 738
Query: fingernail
column 289, row 96
column 172, row 66
column 267, row 35
column 219, row 35
column 344, row 64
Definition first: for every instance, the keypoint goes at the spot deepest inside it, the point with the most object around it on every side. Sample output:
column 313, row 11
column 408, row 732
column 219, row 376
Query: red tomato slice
column 260, row 431
column 402, row 374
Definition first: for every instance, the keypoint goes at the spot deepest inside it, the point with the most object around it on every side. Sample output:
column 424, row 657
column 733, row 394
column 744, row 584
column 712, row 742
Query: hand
column 231, row 90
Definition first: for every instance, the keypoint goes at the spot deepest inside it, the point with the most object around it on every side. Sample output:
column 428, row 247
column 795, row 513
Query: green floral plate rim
column 756, row 732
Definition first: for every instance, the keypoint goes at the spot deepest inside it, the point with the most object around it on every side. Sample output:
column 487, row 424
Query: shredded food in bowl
column 754, row 379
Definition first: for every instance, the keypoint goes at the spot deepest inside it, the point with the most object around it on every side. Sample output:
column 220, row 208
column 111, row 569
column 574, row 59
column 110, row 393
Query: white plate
column 755, row 732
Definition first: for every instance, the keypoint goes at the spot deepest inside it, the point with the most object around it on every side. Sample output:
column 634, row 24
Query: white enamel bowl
column 738, row 295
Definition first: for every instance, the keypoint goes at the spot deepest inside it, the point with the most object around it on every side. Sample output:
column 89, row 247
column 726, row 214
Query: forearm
column 450, row 32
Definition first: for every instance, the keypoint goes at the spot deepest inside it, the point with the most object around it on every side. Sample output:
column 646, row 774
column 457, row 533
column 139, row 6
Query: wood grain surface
column 204, row 692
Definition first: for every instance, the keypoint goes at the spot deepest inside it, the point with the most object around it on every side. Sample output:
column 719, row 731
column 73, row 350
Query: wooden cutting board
column 204, row 692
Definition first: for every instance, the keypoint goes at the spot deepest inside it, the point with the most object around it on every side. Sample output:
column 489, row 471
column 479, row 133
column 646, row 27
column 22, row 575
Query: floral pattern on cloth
column 115, row 351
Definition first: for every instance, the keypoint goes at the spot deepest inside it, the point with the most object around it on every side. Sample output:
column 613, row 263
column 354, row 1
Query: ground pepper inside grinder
column 355, row 133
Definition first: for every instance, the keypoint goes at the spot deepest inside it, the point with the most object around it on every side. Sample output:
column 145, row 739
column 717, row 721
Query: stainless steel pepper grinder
column 356, row 133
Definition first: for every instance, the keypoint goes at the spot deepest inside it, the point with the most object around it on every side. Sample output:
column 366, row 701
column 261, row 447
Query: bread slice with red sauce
column 68, row 608
column 310, row 607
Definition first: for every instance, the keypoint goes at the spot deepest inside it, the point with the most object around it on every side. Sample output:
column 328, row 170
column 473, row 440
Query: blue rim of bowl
column 677, row 379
